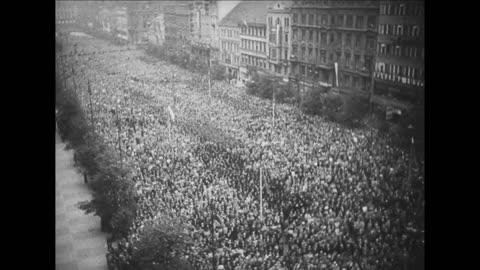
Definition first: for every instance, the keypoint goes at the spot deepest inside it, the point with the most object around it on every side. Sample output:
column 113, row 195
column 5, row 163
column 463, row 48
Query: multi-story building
column 399, row 65
column 87, row 13
column 203, row 28
column 156, row 33
column 65, row 12
column 177, row 29
column 229, row 32
column 140, row 16
column 329, row 32
column 253, row 39
column 279, row 37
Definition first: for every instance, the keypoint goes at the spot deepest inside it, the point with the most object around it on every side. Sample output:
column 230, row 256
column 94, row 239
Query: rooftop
column 249, row 11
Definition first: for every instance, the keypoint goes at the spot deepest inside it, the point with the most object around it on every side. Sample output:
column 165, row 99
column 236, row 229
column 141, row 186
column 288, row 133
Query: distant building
column 329, row 32
column 253, row 38
column 279, row 38
column 65, row 12
column 229, row 32
column 203, row 28
column 177, row 30
column 156, row 33
column 399, row 65
column 140, row 16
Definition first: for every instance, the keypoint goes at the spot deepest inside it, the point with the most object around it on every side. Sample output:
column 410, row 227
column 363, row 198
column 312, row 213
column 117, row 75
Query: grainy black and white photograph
column 239, row 135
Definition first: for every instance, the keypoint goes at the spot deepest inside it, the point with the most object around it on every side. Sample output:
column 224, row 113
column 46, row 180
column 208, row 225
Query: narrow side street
column 79, row 243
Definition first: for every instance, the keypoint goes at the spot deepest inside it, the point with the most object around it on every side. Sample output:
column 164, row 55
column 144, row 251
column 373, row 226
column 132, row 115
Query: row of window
column 253, row 45
column 320, row 56
column 399, row 30
column 273, row 38
column 228, row 59
column 402, row 9
column 253, row 31
column 254, row 61
column 229, row 46
column 229, row 33
column 322, row 38
column 399, row 50
column 278, row 21
column 273, row 54
column 399, row 70
column 348, row 21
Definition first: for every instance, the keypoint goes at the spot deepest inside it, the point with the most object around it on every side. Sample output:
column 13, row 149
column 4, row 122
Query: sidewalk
column 79, row 243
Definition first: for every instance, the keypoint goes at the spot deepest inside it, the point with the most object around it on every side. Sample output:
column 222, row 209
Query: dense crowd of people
column 333, row 197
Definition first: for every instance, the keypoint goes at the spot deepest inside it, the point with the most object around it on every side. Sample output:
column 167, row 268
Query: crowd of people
column 332, row 197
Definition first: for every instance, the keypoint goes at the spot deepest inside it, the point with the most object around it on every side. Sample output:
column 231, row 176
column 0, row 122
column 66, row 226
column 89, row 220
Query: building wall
column 328, row 32
column 203, row 17
column 399, row 67
column 253, row 48
column 177, row 30
column 65, row 12
column 279, row 39
column 140, row 16
column 230, row 48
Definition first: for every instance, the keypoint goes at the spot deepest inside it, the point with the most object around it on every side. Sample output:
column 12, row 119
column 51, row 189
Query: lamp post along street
column 261, row 201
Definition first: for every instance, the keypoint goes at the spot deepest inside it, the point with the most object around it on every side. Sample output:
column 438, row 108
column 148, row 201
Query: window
column 310, row 53
column 323, row 56
column 346, row 81
column 278, row 21
column 295, row 34
column 273, row 53
column 304, row 35
column 368, row 62
column 350, row 21
column 310, row 19
column 303, row 53
column 415, row 31
column 295, row 18
column 382, row 9
column 332, row 39
column 371, row 22
column 304, row 19
column 340, row 20
column 401, row 10
column 339, row 54
column 270, row 21
column 323, row 39
column 398, row 50
column 359, row 22
column 414, row 52
column 302, row 69
column 339, row 38
column 324, row 19
column 356, row 61
column 294, row 51
column 318, row 37
column 286, row 54
column 286, row 38
column 349, row 40
column 330, row 57
column 358, row 40
column 310, row 35
column 319, row 19
column 399, row 30
column 348, row 59
column 332, row 20
column 317, row 56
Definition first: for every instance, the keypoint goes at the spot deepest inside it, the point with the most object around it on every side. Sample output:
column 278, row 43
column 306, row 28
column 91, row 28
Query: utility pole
column 209, row 67
column 261, row 201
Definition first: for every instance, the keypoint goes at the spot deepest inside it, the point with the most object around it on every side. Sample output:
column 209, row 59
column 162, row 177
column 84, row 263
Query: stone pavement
column 79, row 243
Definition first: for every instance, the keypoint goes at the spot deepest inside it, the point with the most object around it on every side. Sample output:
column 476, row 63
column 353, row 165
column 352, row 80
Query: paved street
column 79, row 243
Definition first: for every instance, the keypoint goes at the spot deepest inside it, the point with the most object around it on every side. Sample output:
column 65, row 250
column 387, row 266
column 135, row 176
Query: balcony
column 399, row 80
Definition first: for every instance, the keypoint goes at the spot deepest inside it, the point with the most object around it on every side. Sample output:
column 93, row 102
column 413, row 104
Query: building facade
column 177, row 29
column 204, row 28
column 65, row 13
column 140, row 17
column 156, row 33
column 279, row 38
column 253, row 40
column 399, row 65
column 333, row 45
